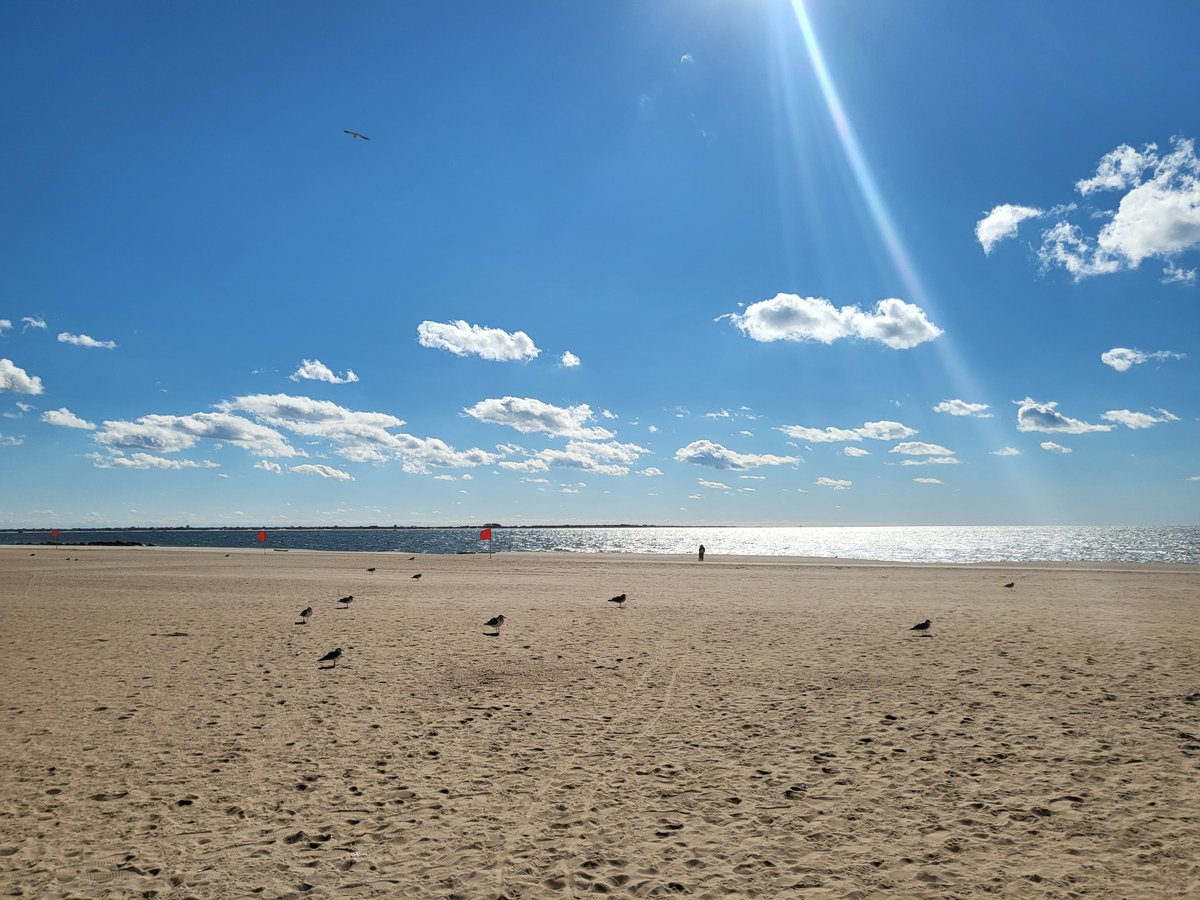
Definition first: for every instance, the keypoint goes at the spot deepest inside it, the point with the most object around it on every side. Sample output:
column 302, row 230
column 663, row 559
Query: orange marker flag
column 54, row 533
column 486, row 534
column 262, row 537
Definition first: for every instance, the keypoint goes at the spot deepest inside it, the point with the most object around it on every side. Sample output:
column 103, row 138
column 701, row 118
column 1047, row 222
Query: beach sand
column 745, row 727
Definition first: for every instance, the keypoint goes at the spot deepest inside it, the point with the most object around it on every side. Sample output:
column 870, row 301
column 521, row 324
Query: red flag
column 54, row 533
column 262, row 537
column 486, row 534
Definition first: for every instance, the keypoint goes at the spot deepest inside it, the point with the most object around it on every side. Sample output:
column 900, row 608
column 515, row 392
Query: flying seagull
column 619, row 600
column 304, row 615
column 332, row 657
column 356, row 134
column 494, row 622
column 922, row 626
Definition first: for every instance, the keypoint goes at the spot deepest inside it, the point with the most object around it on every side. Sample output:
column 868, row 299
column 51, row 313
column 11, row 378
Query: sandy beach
column 744, row 727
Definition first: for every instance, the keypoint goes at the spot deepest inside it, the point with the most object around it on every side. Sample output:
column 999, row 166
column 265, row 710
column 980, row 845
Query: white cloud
column 753, row 477
column 1006, row 451
column 789, row 317
column 1156, row 217
column 1052, row 447
column 315, row 370
column 83, row 340
column 653, row 429
column 931, row 461
column 706, row 453
column 1173, row 274
column 611, row 458
column 856, row 451
column 14, row 378
column 147, row 461
column 713, row 485
column 170, row 434
column 963, row 408
column 608, row 414
column 686, row 59
column 444, row 478
column 920, row 448
column 568, row 360
column 322, row 470
column 1135, row 420
column 1002, row 223
column 462, row 339
column 529, row 415
column 1123, row 359
column 875, row 431
column 5, row 325
column 651, row 472
column 1035, row 416
column 927, row 481
column 33, row 322
column 834, row 483
column 11, row 440
column 64, row 418
column 267, row 466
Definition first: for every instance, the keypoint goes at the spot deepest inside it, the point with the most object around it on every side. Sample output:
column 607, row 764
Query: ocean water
column 935, row 544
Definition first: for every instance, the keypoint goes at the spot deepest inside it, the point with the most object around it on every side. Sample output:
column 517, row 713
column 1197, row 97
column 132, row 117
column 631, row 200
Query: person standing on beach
column 701, row 553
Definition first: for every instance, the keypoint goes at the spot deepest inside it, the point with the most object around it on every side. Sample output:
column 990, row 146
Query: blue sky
column 664, row 262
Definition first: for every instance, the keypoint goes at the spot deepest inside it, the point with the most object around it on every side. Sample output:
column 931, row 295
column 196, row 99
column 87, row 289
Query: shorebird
column 348, row 599
column 304, row 615
column 922, row 626
column 619, row 600
column 1010, row 584
column 356, row 134
column 494, row 622
column 372, row 569
column 332, row 656
column 418, row 575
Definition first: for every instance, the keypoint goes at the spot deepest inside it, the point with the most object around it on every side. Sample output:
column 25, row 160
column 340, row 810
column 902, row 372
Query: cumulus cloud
column 529, row 415
column 713, row 485
column 147, row 461
column 706, row 453
column 1006, row 451
column 1035, row 416
column 322, row 470
column 927, row 481
column 834, row 483
column 856, row 451
column 1002, row 223
column 931, row 461
column 315, row 370
column 651, row 472
column 789, row 317
column 1123, row 359
column 963, row 408
column 462, row 339
column 1173, row 274
column 64, row 418
column 11, row 440
column 1157, row 214
column 33, row 322
column 920, row 448
column 875, row 431
column 611, row 458
column 5, row 325
column 83, row 340
column 1052, row 447
column 14, row 378
column 267, row 466
column 170, row 434
column 568, row 360
column 1131, row 419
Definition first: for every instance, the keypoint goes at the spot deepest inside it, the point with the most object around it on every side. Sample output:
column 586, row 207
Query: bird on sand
column 356, row 134
column 415, row 577
column 372, row 569
column 619, row 600
column 332, row 657
column 921, row 626
column 494, row 622
column 1010, row 584
column 305, row 614
column 348, row 599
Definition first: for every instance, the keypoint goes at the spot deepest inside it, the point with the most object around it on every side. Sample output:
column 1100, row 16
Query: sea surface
column 935, row 544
